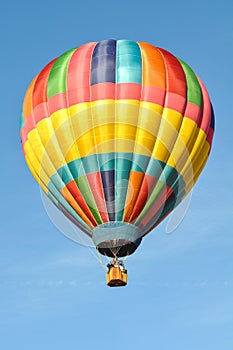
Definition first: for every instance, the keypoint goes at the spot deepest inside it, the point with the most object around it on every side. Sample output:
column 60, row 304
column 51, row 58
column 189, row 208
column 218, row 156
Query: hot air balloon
column 116, row 133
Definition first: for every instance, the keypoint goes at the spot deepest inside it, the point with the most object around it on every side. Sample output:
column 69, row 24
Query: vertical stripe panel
column 128, row 77
column 103, row 62
column 78, row 75
column 129, row 62
column 103, row 65
column 57, row 76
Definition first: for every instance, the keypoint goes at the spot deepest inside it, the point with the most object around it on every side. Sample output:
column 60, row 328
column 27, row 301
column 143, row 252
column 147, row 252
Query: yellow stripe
column 196, row 156
column 167, row 134
column 39, row 172
column 198, row 169
column 196, row 162
column 87, row 114
column 80, row 131
column 77, row 138
column 40, row 158
column 73, row 128
column 183, row 145
column 36, row 171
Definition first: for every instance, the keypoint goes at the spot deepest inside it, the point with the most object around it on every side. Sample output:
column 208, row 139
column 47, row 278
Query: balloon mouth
column 118, row 248
column 116, row 239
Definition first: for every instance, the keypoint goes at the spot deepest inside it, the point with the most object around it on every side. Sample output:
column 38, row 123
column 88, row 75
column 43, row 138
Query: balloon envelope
column 116, row 133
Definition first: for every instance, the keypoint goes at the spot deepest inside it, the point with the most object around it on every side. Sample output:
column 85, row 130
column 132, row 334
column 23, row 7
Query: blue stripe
column 129, row 62
column 21, row 121
column 115, row 174
column 108, row 181
column 212, row 121
column 120, row 162
column 103, row 63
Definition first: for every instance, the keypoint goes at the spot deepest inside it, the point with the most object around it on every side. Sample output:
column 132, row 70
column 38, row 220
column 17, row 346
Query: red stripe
column 153, row 94
column 130, row 91
column 144, row 192
column 95, row 182
column 78, row 75
column 39, row 98
column 157, row 208
column 28, row 126
column 57, row 102
column 139, row 205
column 193, row 112
column 155, row 225
column 77, row 195
column 103, row 91
column 78, row 95
column 175, row 102
column 206, row 106
column 175, row 76
column 40, row 87
column 175, row 82
column 40, row 112
column 210, row 135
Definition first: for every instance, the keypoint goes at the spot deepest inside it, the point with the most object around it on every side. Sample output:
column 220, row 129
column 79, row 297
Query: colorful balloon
column 116, row 133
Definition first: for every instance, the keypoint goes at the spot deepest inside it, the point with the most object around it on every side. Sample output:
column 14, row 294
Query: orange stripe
column 144, row 193
column 141, row 186
column 135, row 180
column 27, row 103
column 154, row 71
column 70, row 199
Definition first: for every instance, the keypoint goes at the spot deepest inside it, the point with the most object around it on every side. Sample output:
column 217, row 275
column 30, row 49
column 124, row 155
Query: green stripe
column 194, row 94
column 123, row 167
column 169, row 177
column 169, row 206
column 57, row 76
column 59, row 180
column 84, row 188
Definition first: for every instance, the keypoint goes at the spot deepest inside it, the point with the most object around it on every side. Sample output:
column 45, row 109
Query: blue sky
column 180, row 291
